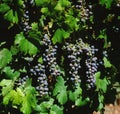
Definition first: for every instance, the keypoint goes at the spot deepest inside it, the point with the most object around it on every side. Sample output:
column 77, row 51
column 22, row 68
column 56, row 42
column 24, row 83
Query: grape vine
column 60, row 57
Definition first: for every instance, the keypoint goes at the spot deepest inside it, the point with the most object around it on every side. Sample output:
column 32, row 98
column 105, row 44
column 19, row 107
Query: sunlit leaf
column 24, row 45
column 5, row 57
column 101, row 84
column 82, row 102
column 45, row 106
column 10, row 73
column 107, row 63
column 11, row 16
column 62, row 97
column 29, row 100
column 59, row 36
column 56, row 110
column 60, row 90
column 4, row 8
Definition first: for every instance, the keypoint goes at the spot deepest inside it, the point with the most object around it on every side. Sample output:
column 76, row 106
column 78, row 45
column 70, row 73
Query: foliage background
column 63, row 22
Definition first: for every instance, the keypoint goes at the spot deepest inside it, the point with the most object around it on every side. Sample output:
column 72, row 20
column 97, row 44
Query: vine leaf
column 72, row 22
column 10, row 73
column 101, row 84
column 107, row 63
column 76, row 97
column 29, row 100
column 11, row 16
column 45, row 106
column 7, row 86
column 62, row 97
column 4, row 8
column 107, row 3
column 59, row 35
column 101, row 100
column 60, row 90
column 5, row 57
column 41, row 2
column 24, row 45
column 15, row 96
column 56, row 110
column 73, row 96
column 103, row 36
column 61, row 5
column 81, row 102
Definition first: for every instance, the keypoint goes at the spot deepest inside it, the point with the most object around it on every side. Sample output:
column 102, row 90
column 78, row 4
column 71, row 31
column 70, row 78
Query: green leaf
column 101, row 84
column 59, row 7
column 11, row 73
column 41, row 2
column 104, row 84
column 18, row 96
column 56, row 110
column 15, row 18
column 5, row 90
column 24, row 45
column 11, row 16
column 107, row 63
column 73, row 96
column 78, row 92
column 61, row 4
column 59, row 85
column 45, row 10
column 101, row 101
column 14, row 50
column 103, row 36
column 7, row 86
column 5, row 82
column 40, row 60
column 62, row 97
column 107, row 3
column 59, row 35
column 7, row 98
column 45, row 106
column 65, row 3
column 34, row 26
column 26, row 106
column 80, row 102
column 5, row 57
column 29, row 100
column 4, row 8
column 72, row 22
column 60, row 90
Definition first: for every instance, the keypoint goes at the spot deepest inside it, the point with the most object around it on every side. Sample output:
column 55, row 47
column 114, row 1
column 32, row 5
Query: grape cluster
column 74, row 55
column 25, row 20
column 50, row 56
column 22, row 81
column 91, row 67
column 46, row 41
column 38, row 74
column 82, row 57
column 85, row 10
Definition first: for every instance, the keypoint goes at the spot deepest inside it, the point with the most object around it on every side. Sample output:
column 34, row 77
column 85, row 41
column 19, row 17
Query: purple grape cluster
column 25, row 21
column 82, row 57
column 74, row 55
column 85, row 10
column 50, row 57
column 38, row 72
column 91, row 67
column 22, row 81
